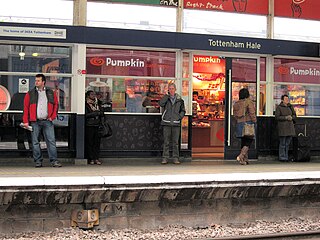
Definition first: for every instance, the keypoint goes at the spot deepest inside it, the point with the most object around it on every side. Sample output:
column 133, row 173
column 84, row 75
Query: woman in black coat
column 285, row 116
column 94, row 117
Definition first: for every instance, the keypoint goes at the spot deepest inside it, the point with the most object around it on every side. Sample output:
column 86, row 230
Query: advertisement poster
column 245, row 6
column 4, row 98
column 304, row 9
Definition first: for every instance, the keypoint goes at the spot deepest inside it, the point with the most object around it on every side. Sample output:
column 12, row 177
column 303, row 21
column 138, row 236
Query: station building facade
column 122, row 66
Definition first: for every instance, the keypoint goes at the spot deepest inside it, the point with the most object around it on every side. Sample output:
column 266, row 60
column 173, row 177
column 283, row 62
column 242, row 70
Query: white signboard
column 23, row 85
column 33, row 32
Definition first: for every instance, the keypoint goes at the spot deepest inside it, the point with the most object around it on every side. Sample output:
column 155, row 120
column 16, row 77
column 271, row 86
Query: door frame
column 229, row 153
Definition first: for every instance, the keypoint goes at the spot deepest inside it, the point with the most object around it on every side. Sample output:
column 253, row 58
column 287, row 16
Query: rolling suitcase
column 301, row 144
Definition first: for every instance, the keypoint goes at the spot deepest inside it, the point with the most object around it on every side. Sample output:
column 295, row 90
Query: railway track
column 275, row 236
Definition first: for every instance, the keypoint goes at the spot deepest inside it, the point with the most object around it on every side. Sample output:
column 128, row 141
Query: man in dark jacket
column 174, row 111
column 285, row 115
column 40, row 109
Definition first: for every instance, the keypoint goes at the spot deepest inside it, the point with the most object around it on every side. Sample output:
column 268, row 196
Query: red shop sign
column 297, row 72
column 259, row 7
column 305, row 9
column 208, row 64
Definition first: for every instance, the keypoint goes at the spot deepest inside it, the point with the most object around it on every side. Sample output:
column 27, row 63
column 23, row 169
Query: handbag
column 248, row 129
column 104, row 130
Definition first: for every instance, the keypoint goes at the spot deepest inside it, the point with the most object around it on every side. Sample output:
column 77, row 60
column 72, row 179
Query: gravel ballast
column 175, row 232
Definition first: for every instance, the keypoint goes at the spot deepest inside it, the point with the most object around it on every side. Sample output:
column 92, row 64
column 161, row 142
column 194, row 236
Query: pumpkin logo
column 283, row 70
column 97, row 61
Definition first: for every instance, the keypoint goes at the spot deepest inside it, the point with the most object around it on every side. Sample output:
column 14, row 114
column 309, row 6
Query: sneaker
column 164, row 161
column 91, row 162
column 176, row 161
column 38, row 164
column 56, row 164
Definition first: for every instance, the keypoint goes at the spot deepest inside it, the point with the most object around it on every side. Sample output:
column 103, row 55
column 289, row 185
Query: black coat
column 285, row 127
column 93, row 118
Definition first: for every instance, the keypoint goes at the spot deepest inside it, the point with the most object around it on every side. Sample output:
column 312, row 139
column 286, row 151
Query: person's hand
column 289, row 118
column 49, row 119
column 165, row 97
column 25, row 125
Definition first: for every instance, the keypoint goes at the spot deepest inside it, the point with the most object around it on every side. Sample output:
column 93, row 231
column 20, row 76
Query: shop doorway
column 216, row 82
column 241, row 73
column 208, row 106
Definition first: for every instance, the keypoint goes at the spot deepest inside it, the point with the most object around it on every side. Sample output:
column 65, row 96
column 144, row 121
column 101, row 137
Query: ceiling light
column 22, row 54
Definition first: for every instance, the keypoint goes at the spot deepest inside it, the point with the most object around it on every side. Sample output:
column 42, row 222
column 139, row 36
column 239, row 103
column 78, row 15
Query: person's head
column 195, row 95
column 244, row 93
column 285, row 99
column 90, row 94
column 172, row 89
column 151, row 88
column 40, row 81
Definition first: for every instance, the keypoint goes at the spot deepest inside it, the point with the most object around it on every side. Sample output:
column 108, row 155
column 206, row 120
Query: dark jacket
column 172, row 113
column 31, row 101
column 285, row 127
column 93, row 118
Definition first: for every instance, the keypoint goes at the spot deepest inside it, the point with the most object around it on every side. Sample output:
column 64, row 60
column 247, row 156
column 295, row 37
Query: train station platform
column 142, row 193
column 133, row 171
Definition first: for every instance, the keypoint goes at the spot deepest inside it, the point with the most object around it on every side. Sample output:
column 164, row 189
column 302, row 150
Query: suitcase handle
column 305, row 129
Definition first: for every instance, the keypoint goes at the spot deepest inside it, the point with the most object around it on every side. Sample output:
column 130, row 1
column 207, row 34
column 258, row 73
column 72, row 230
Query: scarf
column 93, row 104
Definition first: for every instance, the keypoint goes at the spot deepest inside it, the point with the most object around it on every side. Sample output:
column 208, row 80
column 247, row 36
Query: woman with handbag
column 244, row 113
column 93, row 121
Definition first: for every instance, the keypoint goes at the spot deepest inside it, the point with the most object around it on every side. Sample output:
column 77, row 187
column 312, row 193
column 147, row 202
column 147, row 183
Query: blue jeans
column 48, row 132
column 284, row 144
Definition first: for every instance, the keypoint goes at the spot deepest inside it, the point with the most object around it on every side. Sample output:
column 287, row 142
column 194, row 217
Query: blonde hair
column 172, row 84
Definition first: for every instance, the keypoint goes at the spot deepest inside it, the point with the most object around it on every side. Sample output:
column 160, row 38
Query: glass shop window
column 16, row 86
column 128, row 94
column 45, row 59
column 130, row 80
column 20, row 63
column 118, row 62
column 299, row 79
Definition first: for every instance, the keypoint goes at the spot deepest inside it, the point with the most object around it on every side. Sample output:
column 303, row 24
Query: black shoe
column 292, row 159
column 283, row 160
column 38, row 164
column 56, row 164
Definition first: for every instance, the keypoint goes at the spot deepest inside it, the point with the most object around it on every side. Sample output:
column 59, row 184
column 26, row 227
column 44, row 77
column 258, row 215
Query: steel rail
column 271, row 236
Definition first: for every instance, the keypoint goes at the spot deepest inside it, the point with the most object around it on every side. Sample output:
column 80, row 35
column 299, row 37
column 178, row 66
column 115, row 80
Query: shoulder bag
column 248, row 129
column 104, row 130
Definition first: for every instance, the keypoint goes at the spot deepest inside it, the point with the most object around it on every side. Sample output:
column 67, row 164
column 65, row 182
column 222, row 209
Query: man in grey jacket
column 174, row 111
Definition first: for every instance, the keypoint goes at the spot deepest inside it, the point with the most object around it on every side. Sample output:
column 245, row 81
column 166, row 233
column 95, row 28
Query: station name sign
column 10, row 31
column 234, row 44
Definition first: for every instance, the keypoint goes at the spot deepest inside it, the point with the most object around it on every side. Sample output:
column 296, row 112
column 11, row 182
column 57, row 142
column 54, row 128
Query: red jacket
column 31, row 101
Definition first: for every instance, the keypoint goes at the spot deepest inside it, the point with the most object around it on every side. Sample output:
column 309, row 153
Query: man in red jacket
column 40, row 109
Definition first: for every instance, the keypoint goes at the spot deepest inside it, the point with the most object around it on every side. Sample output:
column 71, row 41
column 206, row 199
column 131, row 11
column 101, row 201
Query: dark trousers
column 246, row 142
column 172, row 134
column 92, row 143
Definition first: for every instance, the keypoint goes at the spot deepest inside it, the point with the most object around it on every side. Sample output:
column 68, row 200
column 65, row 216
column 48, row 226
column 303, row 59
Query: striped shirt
column 42, row 107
